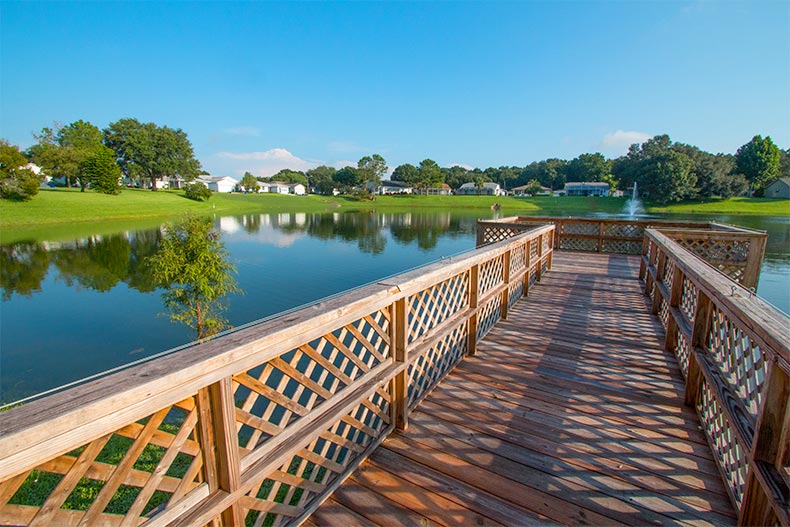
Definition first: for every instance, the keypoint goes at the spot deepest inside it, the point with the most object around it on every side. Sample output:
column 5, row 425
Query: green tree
column 589, row 167
column 62, row 151
column 533, row 187
column 249, row 183
column 371, row 170
column 663, row 170
column 348, row 177
column 784, row 163
column 406, row 173
column 102, row 172
column 455, row 176
column 192, row 266
column 16, row 182
column 758, row 160
column 287, row 175
column 320, row 179
column 197, row 191
column 147, row 152
column 479, row 183
column 430, row 174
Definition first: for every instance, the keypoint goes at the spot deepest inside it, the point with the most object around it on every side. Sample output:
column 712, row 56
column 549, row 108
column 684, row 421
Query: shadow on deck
column 570, row 413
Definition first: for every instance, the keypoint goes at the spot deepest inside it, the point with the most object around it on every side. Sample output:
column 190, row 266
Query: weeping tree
column 192, row 266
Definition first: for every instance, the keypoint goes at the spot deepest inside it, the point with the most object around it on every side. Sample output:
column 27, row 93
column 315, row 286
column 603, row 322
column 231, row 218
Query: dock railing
column 260, row 425
column 735, row 251
column 732, row 348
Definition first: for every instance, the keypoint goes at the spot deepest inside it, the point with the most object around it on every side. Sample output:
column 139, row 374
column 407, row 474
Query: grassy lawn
column 753, row 206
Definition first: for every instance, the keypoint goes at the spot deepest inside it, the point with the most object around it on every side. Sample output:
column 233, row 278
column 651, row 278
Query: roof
column 587, row 184
column 524, row 187
column 487, row 184
column 785, row 180
column 390, row 183
column 217, row 179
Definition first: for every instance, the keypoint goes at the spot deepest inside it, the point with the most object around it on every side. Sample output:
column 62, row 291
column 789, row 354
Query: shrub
column 197, row 192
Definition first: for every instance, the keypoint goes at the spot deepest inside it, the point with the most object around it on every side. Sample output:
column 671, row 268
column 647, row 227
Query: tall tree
column 663, row 171
column 193, row 267
column 249, row 183
column 430, row 174
column 406, row 173
column 63, row 150
column 149, row 152
column 758, row 160
column 16, row 182
column 348, row 177
column 287, row 175
column 590, row 167
column 372, row 169
column 321, row 179
column 102, row 172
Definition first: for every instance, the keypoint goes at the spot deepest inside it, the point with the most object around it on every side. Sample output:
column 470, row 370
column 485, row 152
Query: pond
column 77, row 307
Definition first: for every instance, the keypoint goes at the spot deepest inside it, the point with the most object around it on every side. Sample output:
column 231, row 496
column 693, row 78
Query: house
column 443, row 190
column 297, row 189
column 394, row 187
column 278, row 187
column 219, row 183
column 522, row 191
column 587, row 188
column 778, row 189
column 489, row 189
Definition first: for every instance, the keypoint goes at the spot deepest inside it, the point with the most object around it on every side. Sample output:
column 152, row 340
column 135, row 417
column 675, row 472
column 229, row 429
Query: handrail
column 264, row 422
column 732, row 348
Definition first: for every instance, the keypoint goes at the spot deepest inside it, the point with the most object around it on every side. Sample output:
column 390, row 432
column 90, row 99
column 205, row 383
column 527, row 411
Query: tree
column 321, row 179
column 16, row 181
column 149, row 152
column 758, row 160
column 480, row 182
column 589, row 167
column 101, row 171
column 533, row 187
column 63, row 150
column 287, row 175
column 348, row 177
column 197, row 191
column 249, row 183
column 784, row 163
column 406, row 173
column 663, row 170
column 192, row 265
column 372, row 169
column 455, row 176
column 430, row 174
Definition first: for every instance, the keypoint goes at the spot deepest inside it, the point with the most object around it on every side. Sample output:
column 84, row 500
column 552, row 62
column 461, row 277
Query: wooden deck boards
column 570, row 413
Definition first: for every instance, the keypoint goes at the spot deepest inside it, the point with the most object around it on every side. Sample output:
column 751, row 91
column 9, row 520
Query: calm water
column 74, row 308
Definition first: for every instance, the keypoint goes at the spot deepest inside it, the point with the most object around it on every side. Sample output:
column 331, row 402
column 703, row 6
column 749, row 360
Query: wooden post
column 662, row 263
column 399, row 385
column 648, row 275
column 539, row 268
column 503, row 307
column 600, row 236
column 479, row 237
column 699, row 335
column 473, row 289
column 771, row 445
column 675, row 296
column 645, row 246
column 219, row 443
column 751, row 275
column 527, row 265
column 550, row 259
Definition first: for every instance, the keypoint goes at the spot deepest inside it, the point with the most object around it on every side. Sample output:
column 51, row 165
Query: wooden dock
column 570, row 413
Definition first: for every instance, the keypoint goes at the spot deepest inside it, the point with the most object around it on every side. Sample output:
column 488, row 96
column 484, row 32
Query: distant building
column 522, row 191
column 587, row 188
column 280, row 187
column 444, row 190
column 394, row 187
column 219, row 183
column 778, row 189
column 297, row 189
column 489, row 189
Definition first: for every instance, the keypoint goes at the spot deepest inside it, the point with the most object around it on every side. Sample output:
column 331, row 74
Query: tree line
column 665, row 171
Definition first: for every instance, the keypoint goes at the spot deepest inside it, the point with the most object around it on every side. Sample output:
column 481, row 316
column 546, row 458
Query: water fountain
column 633, row 207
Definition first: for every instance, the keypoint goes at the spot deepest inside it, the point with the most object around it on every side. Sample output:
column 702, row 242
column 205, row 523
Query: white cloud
column 467, row 167
column 246, row 131
column 620, row 140
column 263, row 163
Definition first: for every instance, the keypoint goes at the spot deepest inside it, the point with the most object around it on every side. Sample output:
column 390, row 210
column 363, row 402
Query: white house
column 394, row 187
column 489, row 189
column 297, row 189
column 522, row 191
column 587, row 188
column 278, row 187
column 219, row 183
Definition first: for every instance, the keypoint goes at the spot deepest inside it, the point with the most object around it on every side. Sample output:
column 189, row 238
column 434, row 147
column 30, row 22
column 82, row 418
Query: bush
column 197, row 192
column 364, row 195
column 22, row 186
column 102, row 172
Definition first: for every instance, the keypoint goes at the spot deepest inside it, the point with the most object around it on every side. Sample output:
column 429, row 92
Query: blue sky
column 263, row 86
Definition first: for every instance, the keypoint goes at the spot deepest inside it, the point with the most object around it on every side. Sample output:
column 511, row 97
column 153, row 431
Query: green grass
column 752, row 206
column 57, row 213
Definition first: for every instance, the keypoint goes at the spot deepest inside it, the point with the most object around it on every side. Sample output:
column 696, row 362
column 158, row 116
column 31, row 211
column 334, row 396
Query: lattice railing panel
column 434, row 364
column 683, row 353
column 432, row 306
column 491, row 274
column 487, row 316
column 580, row 228
column 621, row 247
column 669, row 270
column 282, row 390
column 544, row 243
column 741, row 363
column 663, row 311
column 497, row 234
column 117, row 479
column 728, row 256
column 285, row 493
column 578, row 244
column 620, row 230
column 728, row 452
column 515, row 292
column 518, row 260
column 688, row 300
column 533, row 250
